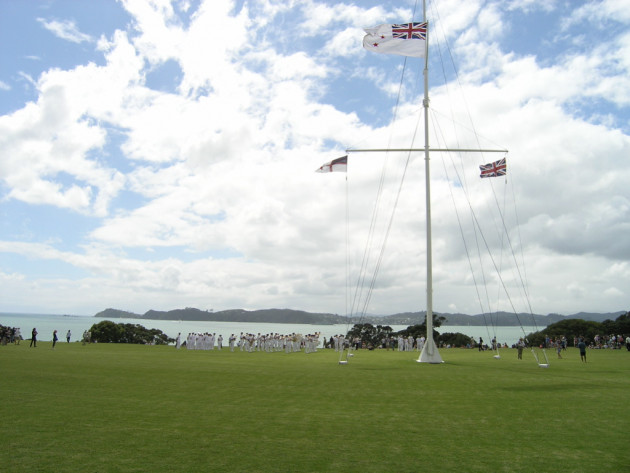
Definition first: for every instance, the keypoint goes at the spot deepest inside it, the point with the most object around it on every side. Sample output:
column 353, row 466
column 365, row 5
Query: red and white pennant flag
column 336, row 165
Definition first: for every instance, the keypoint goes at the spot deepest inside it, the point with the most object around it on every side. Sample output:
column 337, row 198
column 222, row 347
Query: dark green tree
column 623, row 323
column 620, row 326
column 107, row 332
column 455, row 340
column 110, row 332
column 369, row 335
column 569, row 328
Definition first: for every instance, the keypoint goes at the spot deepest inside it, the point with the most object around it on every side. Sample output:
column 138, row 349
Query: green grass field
column 125, row 408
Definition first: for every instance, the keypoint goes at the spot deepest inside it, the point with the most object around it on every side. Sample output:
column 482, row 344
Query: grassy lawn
column 127, row 408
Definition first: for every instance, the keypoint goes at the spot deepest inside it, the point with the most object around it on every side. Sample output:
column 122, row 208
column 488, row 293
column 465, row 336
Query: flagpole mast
column 401, row 39
column 429, row 352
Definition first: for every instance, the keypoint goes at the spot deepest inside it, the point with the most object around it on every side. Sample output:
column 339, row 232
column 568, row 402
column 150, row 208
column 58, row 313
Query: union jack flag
column 410, row 31
column 498, row 168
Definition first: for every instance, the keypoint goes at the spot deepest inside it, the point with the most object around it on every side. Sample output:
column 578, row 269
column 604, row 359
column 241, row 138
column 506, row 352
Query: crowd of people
column 14, row 335
column 248, row 342
column 409, row 344
column 615, row 342
column 612, row 342
column 10, row 335
column 400, row 343
column 272, row 342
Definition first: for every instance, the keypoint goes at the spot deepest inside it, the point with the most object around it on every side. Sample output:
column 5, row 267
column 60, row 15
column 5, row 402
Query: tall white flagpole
column 430, row 353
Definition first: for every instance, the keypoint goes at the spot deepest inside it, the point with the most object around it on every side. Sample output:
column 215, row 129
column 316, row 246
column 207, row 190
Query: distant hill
column 290, row 316
column 278, row 316
column 503, row 319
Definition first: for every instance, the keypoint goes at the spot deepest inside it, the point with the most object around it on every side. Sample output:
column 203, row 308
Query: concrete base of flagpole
column 430, row 353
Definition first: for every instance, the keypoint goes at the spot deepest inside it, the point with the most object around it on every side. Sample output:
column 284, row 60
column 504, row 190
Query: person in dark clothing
column 582, row 347
column 55, row 338
column 33, row 338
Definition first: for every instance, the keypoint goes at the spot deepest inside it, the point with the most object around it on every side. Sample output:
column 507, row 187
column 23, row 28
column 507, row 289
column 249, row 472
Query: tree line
column 586, row 329
column 374, row 335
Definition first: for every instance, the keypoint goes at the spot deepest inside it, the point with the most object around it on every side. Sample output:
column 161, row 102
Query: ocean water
column 46, row 323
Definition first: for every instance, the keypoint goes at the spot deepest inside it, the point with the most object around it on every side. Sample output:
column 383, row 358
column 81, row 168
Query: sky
column 162, row 154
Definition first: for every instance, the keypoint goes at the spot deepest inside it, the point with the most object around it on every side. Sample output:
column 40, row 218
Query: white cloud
column 225, row 204
column 66, row 29
column 50, row 139
column 532, row 5
column 344, row 43
column 614, row 292
column 602, row 10
column 6, row 278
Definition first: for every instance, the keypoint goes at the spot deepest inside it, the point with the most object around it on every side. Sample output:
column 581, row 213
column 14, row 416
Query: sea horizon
column 77, row 324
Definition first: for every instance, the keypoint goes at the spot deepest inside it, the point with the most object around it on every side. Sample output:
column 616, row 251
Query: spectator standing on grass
column 480, row 344
column 55, row 338
column 628, row 342
column 519, row 347
column 582, row 347
column 33, row 338
column 68, row 335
